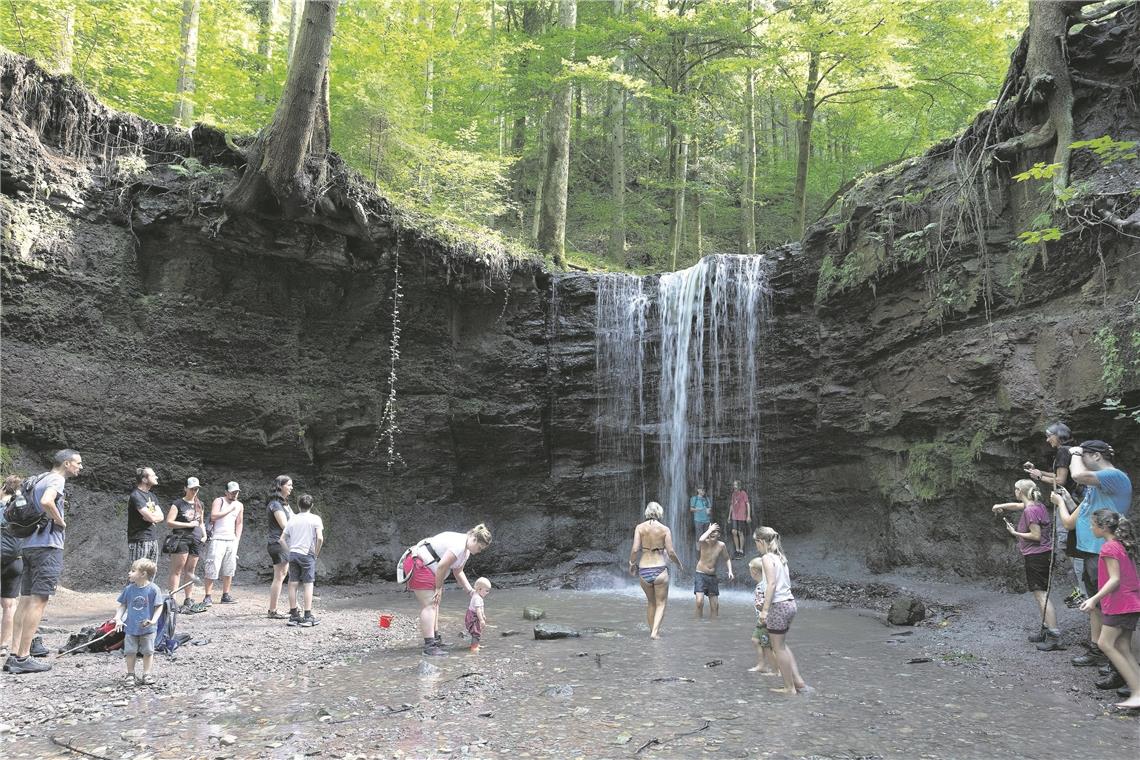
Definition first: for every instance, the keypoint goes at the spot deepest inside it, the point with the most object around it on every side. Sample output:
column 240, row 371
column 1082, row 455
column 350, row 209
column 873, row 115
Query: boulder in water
column 533, row 613
column 549, row 631
column 906, row 610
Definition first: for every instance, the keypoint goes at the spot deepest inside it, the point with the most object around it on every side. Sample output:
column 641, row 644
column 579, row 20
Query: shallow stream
column 617, row 694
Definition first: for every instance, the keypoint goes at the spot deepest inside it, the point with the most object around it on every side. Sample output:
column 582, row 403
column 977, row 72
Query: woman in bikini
column 653, row 544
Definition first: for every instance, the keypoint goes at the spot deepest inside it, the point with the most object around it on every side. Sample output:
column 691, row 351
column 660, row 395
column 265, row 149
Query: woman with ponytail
column 1118, row 596
column 779, row 607
column 1034, row 534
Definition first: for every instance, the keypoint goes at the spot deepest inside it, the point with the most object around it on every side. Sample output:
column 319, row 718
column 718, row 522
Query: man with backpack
column 43, row 558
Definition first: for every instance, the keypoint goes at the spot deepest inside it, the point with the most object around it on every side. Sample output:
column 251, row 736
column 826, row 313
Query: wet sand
column 347, row 689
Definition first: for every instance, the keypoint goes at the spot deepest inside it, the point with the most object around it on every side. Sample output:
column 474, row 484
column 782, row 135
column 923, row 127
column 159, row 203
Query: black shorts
column 43, row 567
column 706, row 583
column 182, row 544
column 11, row 574
column 740, row 526
column 1089, row 576
column 278, row 554
column 302, row 568
column 1037, row 571
column 1125, row 621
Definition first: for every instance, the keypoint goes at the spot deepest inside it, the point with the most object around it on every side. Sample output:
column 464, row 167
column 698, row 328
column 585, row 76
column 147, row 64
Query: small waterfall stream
column 677, row 381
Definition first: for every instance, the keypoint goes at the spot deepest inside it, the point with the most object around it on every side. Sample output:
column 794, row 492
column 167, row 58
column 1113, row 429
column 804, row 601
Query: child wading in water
column 760, row 637
column 779, row 607
column 476, row 619
column 1118, row 596
column 140, row 605
column 1034, row 534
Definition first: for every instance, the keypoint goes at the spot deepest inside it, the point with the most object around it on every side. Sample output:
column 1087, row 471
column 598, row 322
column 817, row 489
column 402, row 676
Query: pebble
column 228, row 740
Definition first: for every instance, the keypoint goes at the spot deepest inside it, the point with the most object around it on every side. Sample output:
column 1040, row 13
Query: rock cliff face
column 904, row 384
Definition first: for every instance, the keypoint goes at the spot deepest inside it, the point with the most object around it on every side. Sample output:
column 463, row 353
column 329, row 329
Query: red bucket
column 385, row 621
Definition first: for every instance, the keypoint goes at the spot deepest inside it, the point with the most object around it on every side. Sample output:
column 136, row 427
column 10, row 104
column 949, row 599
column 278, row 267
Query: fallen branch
column 656, row 742
column 61, row 743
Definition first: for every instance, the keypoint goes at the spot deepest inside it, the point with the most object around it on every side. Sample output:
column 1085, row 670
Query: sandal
column 148, row 680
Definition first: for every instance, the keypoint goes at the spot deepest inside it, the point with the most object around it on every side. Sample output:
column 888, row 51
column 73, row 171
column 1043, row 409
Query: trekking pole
column 1052, row 558
column 193, row 579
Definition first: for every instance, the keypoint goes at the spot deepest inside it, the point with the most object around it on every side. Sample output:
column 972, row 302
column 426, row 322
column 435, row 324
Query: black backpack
column 24, row 515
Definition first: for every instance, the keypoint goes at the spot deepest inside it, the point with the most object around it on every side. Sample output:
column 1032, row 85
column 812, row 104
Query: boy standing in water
column 701, row 509
column 705, row 581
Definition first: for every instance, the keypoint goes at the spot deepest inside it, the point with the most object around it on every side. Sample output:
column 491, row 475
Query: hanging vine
column 389, row 426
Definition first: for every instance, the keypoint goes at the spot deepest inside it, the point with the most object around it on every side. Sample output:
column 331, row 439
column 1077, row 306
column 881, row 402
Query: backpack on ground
column 113, row 641
column 24, row 515
column 166, row 640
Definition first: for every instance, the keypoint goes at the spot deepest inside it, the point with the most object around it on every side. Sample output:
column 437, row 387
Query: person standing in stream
column 426, row 567
column 740, row 517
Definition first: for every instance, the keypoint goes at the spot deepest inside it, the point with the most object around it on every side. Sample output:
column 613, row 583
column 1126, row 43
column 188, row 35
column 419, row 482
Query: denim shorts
column 302, row 568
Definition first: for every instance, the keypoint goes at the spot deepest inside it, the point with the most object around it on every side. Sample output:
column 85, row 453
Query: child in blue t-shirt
column 140, row 604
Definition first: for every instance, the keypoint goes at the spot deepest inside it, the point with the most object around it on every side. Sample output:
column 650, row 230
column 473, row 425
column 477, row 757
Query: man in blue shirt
column 1105, row 488
column 700, row 508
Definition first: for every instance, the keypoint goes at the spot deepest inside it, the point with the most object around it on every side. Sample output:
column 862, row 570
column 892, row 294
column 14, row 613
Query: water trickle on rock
column 677, row 381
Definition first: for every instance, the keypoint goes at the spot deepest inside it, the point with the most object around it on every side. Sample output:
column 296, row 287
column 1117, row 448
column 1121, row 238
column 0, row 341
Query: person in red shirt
column 740, row 517
column 1118, row 596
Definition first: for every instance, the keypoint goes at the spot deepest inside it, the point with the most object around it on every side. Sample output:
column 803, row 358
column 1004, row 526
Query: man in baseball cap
column 221, row 556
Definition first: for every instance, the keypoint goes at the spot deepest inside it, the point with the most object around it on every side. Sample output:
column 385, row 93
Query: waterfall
column 677, row 383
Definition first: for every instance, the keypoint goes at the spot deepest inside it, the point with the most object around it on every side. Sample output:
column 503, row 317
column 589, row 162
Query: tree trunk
column 1045, row 98
column 694, row 182
column 679, row 167
column 532, row 23
column 552, row 224
column 803, row 141
column 275, row 179
column 427, row 15
column 266, row 12
column 296, row 8
column 544, row 160
column 615, row 111
column 748, row 168
column 66, row 38
column 187, row 63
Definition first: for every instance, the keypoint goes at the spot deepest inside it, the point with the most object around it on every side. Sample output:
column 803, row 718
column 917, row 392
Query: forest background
column 697, row 126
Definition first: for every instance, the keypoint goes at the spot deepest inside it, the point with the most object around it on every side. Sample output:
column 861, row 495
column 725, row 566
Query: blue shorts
column 302, row 568
column 706, row 583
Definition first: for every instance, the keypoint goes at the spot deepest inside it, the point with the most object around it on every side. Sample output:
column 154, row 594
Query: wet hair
column 1061, row 430
column 483, row 583
column 279, row 483
column 654, row 511
column 305, row 503
column 140, row 474
column 481, row 533
column 63, row 456
column 1027, row 487
column 1121, row 529
column 11, row 484
column 770, row 537
column 147, row 566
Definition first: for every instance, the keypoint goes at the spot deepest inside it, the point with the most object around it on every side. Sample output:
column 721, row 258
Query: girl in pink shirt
column 1118, row 596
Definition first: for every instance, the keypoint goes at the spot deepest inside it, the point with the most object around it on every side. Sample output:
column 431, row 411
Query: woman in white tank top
column 779, row 607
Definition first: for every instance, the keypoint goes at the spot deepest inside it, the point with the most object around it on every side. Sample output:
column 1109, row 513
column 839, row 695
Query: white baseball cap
column 192, row 483
column 232, row 487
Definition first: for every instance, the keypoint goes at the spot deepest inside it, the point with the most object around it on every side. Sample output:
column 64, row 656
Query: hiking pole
column 193, row 579
column 1049, row 578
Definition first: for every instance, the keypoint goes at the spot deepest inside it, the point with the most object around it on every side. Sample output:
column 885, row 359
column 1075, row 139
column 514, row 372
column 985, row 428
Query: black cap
column 1097, row 447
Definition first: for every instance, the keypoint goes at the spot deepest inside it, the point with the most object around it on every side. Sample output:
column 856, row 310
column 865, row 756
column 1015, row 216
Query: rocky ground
column 249, row 687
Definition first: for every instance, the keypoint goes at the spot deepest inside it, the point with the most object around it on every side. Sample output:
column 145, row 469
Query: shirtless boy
column 705, row 582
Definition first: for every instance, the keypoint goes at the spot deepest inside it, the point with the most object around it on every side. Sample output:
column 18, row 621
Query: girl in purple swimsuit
column 654, row 542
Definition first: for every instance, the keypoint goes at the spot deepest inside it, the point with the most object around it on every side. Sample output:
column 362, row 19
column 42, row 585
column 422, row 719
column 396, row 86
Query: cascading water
column 677, row 382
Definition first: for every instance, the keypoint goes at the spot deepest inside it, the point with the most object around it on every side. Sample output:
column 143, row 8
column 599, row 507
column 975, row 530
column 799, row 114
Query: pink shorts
column 420, row 578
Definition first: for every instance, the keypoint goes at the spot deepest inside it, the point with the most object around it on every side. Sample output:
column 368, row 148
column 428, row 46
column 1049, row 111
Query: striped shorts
column 137, row 550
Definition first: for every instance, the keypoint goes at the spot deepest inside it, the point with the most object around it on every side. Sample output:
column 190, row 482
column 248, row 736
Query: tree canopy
column 444, row 104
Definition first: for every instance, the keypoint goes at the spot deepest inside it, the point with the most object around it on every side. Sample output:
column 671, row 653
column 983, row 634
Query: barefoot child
column 140, row 605
column 705, row 582
column 1118, row 596
column 779, row 607
column 1034, row 534
column 760, row 638
column 476, row 619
